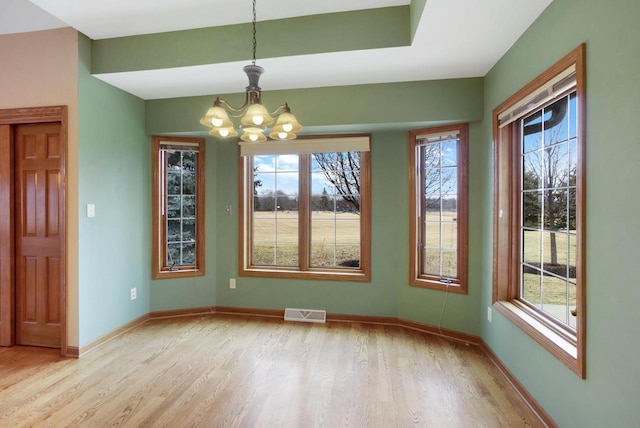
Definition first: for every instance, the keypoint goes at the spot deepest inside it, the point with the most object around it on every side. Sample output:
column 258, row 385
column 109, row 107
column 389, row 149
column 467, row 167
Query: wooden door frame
column 7, row 261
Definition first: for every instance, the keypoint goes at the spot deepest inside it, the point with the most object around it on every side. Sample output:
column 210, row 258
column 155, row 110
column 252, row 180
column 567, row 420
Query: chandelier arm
column 235, row 112
column 279, row 109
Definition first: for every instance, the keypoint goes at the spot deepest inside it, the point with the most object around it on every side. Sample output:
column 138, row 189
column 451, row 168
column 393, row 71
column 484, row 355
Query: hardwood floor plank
column 239, row 371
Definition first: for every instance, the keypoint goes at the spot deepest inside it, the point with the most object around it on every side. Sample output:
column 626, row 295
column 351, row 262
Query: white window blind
column 440, row 137
column 178, row 146
column 359, row 143
column 554, row 87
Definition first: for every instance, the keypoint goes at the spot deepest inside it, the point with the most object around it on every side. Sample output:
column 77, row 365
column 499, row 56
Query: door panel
column 38, row 242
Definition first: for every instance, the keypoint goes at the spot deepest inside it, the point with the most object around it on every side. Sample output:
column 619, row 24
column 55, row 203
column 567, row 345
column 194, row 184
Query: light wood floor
column 235, row 371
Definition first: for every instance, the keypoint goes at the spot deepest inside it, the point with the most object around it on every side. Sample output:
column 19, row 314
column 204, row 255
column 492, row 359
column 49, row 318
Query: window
column 178, row 207
column 539, row 137
column 438, row 236
column 305, row 208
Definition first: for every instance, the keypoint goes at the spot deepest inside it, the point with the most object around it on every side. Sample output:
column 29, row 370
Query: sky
column 286, row 178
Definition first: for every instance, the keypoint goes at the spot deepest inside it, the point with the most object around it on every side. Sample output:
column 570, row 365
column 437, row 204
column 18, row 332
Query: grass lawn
column 335, row 239
column 545, row 289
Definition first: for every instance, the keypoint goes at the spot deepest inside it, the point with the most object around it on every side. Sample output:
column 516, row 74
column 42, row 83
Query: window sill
column 559, row 346
column 327, row 275
column 183, row 273
column 453, row 287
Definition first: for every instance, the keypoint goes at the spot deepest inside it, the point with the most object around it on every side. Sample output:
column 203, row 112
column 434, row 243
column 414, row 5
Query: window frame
column 159, row 269
column 304, row 270
column 550, row 334
column 416, row 278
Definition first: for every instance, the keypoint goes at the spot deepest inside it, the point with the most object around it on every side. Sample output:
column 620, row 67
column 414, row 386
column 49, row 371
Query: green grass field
column 441, row 232
column 544, row 288
column 335, row 240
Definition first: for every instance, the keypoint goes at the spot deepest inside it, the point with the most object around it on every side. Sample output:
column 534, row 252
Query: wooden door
column 38, row 235
column 7, row 229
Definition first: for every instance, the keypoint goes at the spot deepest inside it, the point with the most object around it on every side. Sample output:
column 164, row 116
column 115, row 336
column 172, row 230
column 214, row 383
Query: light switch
column 91, row 210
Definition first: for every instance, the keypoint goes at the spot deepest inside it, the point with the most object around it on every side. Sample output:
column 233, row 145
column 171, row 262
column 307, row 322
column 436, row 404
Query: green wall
column 412, row 105
column 114, row 174
column 452, row 311
column 304, row 35
column 608, row 396
column 115, row 249
column 363, row 107
column 388, row 293
column 389, row 214
column 197, row 291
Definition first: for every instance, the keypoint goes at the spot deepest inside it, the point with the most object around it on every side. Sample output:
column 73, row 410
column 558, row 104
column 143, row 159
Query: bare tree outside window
column 549, row 173
column 342, row 170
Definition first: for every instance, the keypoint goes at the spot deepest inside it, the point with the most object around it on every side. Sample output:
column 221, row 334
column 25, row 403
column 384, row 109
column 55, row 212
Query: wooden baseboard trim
column 413, row 325
column 365, row 319
column 269, row 313
column 457, row 336
column 109, row 336
column 72, row 352
column 531, row 402
column 188, row 312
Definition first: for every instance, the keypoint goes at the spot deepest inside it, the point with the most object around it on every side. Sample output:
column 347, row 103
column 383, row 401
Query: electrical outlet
column 133, row 293
column 91, row 210
column 232, row 283
column 489, row 313
column 227, row 210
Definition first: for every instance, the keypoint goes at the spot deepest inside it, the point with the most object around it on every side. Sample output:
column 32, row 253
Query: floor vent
column 305, row 315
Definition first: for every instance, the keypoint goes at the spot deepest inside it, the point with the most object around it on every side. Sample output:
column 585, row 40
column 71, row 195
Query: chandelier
column 255, row 117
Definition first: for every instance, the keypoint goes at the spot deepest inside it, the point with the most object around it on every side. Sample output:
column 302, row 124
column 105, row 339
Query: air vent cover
column 305, row 315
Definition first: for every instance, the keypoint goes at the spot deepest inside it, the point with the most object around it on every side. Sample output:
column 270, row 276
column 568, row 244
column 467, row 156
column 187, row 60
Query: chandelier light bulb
column 253, row 137
column 216, row 122
column 257, row 120
column 282, row 135
column 287, row 127
column 224, row 132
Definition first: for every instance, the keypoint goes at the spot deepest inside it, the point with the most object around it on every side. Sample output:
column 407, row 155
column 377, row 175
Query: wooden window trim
column 304, row 271
column 416, row 279
column 506, row 243
column 159, row 270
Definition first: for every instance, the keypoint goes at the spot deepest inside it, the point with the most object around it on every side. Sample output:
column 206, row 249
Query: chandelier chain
column 255, row 43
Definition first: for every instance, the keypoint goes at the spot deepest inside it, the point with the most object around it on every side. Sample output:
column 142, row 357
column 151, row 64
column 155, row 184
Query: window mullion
column 440, row 228
column 304, row 211
column 246, row 210
column 162, row 244
column 420, row 194
column 276, row 176
column 515, row 168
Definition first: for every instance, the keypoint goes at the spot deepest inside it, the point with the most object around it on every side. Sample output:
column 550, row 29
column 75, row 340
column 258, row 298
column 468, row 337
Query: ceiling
column 453, row 39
